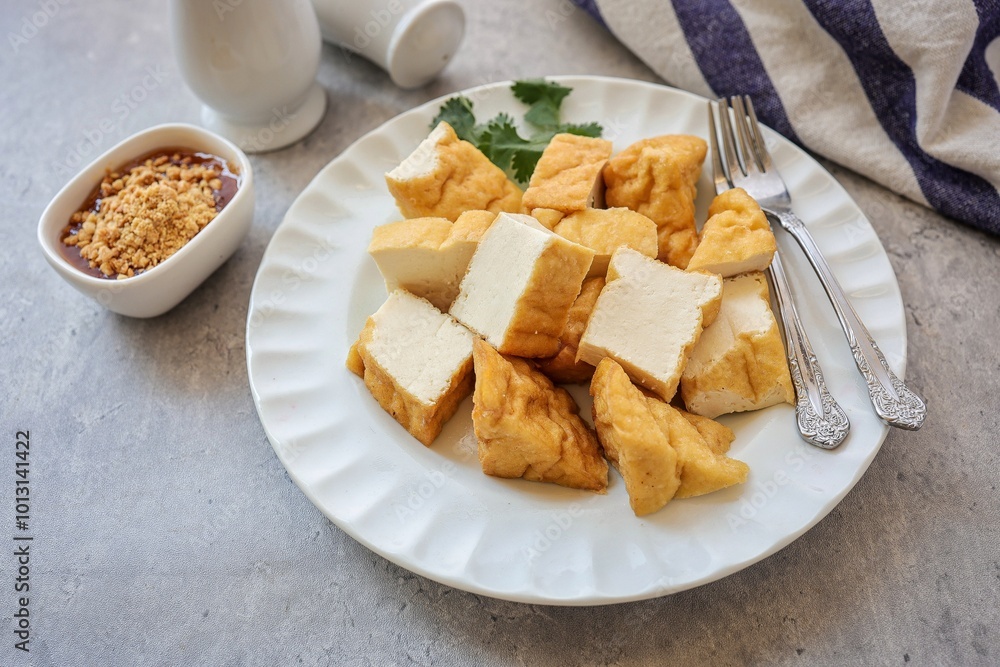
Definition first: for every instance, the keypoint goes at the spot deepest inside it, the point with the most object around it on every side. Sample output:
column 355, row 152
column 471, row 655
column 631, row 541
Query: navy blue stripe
column 891, row 90
column 976, row 78
column 590, row 6
column 728, row 60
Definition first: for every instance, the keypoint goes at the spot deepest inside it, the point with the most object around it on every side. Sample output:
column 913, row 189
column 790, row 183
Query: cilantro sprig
column 499, row 138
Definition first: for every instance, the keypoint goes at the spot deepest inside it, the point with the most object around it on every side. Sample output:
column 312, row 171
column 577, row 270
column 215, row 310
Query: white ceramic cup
column 412, row 40
column 253, row 64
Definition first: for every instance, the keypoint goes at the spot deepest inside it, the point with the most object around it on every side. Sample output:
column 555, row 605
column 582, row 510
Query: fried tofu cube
column 633, row 440
column 739, row 362
column 568, row 176
column 736, row 238
column 648, row 318
column 428, row 257
column 605, row 230
column 529, row 428
column 446, row 176
column 658, row 177
column 520, row 286
column 416, row 361
column 563, row 367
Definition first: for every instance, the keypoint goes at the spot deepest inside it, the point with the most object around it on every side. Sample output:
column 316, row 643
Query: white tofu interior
column 418, row 345
column 433, row 273
column 646, row 316
column 742, row 311
column 498, row 275
column 423, row 160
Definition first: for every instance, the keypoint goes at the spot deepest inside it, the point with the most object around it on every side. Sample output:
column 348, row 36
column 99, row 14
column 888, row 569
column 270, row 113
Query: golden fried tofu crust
column 702, row 470
column 460, row 179
column 529, row 428
column 563, row 367
column 736, row 238
column 355, row 363
column 605, row 230
column 543, row 311
column 471, row 225
column 633, row 440
column 568, row 176
column 548, row 217
column 717, row 436
column 658, row 177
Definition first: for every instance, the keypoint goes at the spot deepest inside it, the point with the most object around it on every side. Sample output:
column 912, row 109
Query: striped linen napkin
column 905, row 93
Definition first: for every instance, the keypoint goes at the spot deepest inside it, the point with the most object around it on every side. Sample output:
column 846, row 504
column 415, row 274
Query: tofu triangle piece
column 529, row 428
column 416, row 361
column 736, row 238
column 717, row 436
column 446, row 176
column 659, row 452
column 632, row 439
column 739, row 363
column 520, row 286
column 658, row 177
column 648, row 317
column 428, row 257
column 568, row 175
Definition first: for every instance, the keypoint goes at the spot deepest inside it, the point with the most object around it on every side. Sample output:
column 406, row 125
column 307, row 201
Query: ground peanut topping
column 145, row 215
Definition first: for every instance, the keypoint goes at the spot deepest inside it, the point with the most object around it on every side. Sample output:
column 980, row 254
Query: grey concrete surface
column 167, row 532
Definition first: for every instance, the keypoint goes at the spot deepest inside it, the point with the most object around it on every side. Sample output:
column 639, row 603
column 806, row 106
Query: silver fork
column 894, row 402
column 821, row 420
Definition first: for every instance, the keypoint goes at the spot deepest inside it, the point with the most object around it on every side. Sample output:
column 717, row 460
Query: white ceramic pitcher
column 253, row 64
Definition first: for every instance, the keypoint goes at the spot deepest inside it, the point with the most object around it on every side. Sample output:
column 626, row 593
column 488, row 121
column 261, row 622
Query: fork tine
column 751, row 160
column 763, row 156
column 729, row 142
column 722, row 182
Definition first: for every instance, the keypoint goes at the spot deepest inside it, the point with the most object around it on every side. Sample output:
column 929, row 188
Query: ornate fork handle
column 894, row 402
column 822, row 421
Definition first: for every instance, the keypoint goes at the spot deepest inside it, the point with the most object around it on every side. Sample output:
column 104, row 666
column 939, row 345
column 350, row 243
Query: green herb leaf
column 500, row 140
column 510, row 151
column 532, row 91
column 593, row 130
column 543, row 113
column 457, row 112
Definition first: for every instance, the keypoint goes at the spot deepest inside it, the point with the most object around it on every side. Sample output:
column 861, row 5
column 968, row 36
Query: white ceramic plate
column 431, row 510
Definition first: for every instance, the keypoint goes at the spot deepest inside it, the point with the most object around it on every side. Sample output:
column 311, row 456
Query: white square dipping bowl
column 159, row 289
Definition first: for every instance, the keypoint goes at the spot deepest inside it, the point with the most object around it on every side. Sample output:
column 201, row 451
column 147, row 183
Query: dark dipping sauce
column 226, row 173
